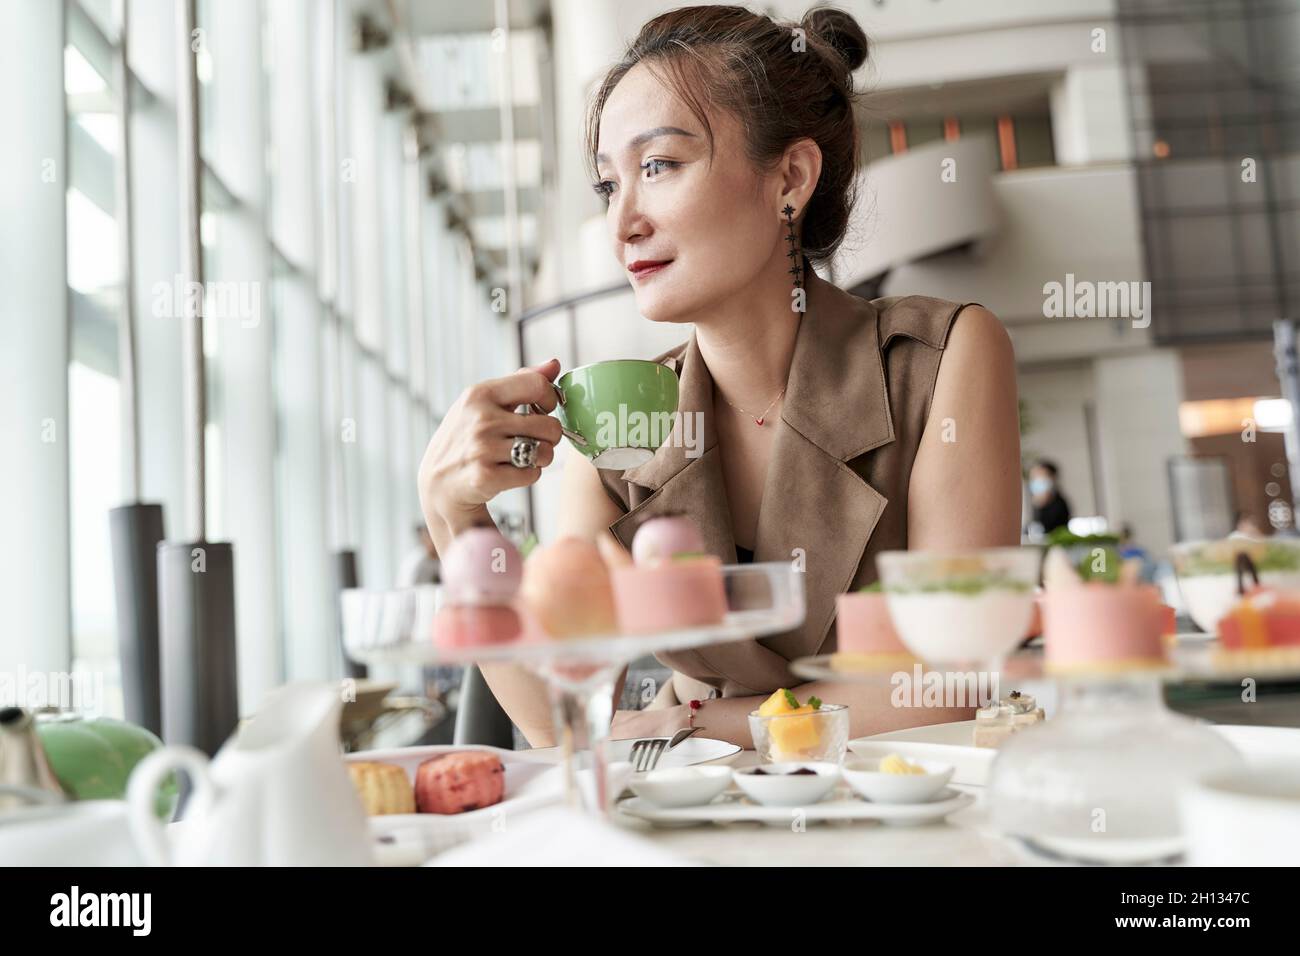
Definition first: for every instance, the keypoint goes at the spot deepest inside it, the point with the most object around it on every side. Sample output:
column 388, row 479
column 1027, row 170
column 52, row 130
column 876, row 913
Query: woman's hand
column 660, row 722
column 467, row 461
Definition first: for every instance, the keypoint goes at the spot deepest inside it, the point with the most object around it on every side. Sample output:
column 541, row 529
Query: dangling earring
column 795, row 254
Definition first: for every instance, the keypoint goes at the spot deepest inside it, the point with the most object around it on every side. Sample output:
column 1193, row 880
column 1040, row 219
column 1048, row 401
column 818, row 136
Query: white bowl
column 948, row 627
column 776, row 786
column 682, row 786
column 960, row 609
column 866, row 780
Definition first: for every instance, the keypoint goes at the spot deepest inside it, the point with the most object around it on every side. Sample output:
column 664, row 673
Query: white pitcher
column 276, row 794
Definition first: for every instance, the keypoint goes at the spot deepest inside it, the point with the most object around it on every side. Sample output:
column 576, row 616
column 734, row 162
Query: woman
column 834, row 427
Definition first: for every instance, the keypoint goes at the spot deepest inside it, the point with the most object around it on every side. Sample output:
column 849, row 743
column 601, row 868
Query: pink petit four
column 481, row 566
column 685, row 592
column 1099, row 627
column 481, row 571
column 661, row 538
column 474, row 625
column 865, row 634
column 567, row 590
column 671, row 585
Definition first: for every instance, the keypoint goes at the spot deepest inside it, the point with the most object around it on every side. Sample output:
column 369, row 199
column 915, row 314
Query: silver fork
column 646, row 752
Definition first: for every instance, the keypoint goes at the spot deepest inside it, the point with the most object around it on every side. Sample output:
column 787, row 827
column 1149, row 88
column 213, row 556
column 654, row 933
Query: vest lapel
column 816, row 510
column 685, row 474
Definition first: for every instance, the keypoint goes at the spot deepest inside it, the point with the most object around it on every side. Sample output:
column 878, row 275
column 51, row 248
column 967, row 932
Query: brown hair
column 751, row 66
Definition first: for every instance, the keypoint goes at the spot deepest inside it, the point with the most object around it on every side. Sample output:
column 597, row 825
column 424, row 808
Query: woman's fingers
column 528, row 386
column 508, row 476
column 533, row 426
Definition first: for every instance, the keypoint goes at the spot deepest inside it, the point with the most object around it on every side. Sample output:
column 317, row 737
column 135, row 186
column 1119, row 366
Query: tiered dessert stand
column 395, row 627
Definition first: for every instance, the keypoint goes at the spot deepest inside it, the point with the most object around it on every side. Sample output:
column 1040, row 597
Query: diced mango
column 778, row 703
column 792, row 733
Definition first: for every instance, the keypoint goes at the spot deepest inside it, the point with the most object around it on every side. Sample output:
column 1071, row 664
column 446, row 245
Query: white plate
column 411, row 838
column 841, row 805
column 951, row 743
column 688, row 753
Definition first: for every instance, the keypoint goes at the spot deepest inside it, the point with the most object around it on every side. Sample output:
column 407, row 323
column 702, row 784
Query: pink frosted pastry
column 865, row 632
column 457, row 782
column 673, row 584
column 567, row 589
column 480, row 577
column 1100, row 627
column 682, row 592
column 475, row 625
column 661, row 538
column 481, row 566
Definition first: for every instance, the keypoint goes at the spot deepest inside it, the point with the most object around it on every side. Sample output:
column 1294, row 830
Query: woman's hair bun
column 840, row 31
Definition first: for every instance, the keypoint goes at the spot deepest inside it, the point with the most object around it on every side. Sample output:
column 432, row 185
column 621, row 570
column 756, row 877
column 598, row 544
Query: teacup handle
column 573, row 436
column 142, row 794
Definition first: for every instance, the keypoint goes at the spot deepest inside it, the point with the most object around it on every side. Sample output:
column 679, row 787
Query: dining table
column 965, row 838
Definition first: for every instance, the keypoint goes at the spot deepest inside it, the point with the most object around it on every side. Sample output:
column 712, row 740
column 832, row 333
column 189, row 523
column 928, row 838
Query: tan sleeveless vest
column 856, row 403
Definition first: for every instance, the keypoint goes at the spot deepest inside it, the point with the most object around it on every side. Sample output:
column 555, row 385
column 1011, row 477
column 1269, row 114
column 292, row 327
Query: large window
column 94, row 274
column 322, row 389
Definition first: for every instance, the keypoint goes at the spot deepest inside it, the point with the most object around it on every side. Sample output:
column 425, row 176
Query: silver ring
column 523, row 452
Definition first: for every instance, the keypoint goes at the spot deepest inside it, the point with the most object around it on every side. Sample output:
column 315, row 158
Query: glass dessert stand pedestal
column 1099, row 781
column 395, row 627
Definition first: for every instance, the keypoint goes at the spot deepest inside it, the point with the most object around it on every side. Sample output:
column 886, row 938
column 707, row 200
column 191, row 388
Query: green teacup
column 623, row 409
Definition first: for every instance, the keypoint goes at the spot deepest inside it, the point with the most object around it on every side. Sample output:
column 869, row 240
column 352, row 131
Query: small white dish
column 866, row 780
column 779, row 786
column 682, row 786
column 947, row 743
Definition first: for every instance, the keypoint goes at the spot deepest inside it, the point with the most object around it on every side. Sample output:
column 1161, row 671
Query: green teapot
column 93, row 757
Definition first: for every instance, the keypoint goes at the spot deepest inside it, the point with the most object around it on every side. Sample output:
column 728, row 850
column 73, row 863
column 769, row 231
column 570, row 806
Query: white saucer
column 841, row 805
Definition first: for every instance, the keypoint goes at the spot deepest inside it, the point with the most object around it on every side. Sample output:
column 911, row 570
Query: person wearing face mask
column 1051, row 510
column 726, row 149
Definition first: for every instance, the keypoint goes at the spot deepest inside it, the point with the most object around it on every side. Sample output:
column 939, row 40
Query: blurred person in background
column 1245, row 524
column 1051, row 510
column 421, row 564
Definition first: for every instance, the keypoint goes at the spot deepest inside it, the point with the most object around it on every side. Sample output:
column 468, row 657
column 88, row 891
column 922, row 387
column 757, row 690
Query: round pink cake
column 1099, row 628
column 864, row 630
column 475, row 625
column 457, row 782
column 670, row 595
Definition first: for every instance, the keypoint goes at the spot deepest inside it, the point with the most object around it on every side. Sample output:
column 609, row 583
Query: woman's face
column 716, row 224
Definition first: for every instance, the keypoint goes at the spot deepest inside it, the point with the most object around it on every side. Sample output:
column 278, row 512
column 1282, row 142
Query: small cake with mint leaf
column 1098, row 616
column 672, row 583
